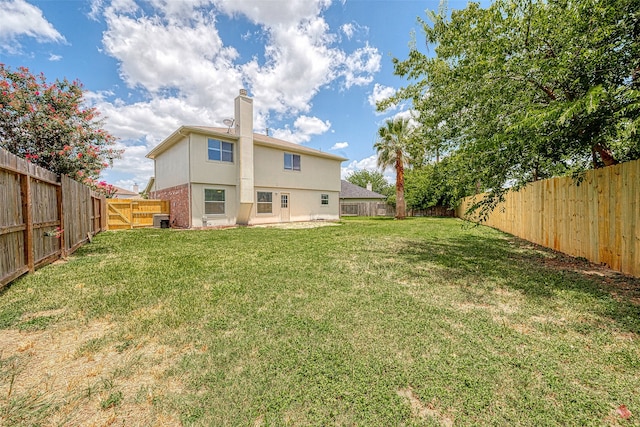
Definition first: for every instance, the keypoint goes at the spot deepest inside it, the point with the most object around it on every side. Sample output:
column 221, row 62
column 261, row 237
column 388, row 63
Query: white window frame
column 292, row 162
column 324, row 199
column 263, row 204
column 229, row 151
column 222, row 202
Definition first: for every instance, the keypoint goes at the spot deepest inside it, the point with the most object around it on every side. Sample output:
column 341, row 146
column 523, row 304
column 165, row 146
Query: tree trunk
column 401, row 208
column 605, row 155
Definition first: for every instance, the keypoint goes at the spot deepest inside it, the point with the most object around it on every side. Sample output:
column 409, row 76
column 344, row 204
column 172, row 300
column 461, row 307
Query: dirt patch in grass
column 621, row 287
column 424, row 411
column 45, row 313
column 298, row 225
column 57, row 375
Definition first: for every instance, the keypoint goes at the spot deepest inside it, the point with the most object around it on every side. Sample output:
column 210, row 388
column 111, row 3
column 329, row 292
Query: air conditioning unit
column 161, row 221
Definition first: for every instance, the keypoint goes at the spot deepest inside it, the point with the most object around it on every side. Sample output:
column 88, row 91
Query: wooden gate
column 134, row 213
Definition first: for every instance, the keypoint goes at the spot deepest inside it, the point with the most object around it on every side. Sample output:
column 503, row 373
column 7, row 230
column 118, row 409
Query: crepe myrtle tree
column 49, row 125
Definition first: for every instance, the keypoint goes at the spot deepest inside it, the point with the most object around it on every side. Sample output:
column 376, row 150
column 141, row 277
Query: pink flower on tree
column 50, row 125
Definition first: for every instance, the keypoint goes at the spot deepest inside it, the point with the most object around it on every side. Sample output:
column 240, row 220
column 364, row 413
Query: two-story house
column 227, row 176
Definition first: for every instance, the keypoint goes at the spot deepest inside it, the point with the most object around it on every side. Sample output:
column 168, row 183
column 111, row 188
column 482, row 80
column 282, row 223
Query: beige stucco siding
column 197, row 206
column 304, row 205
column 316, row 173
column 207, row 171
column 172, row 166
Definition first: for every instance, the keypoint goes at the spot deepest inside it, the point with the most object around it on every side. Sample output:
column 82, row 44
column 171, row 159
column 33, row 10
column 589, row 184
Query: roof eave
column 290, row 146
column 166, row 143
column 183, row 131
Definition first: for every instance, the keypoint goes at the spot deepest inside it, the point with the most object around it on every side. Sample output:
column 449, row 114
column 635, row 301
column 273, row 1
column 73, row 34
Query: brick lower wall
column 179, row 199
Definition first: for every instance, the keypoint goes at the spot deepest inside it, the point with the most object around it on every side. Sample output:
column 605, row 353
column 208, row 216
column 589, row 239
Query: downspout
column 189, row 184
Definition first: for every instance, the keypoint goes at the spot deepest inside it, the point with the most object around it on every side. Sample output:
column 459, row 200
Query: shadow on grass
column 473, row 260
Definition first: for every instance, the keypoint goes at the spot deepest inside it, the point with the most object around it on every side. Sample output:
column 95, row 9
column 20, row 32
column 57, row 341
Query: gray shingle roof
column 352, row 191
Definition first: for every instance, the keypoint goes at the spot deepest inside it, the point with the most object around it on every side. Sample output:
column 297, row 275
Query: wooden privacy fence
column 384, row 209
column 42, row 218
column 374, row 208
column 599, row 219
column 432, row 211
column 134, row 213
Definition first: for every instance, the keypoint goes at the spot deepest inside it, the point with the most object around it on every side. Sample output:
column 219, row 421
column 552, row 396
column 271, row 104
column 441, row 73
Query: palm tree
column 392, row 149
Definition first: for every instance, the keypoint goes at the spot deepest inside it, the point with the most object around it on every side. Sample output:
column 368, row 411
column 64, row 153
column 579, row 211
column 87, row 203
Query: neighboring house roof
column 352, row 191
column 258, row 139
column 123, row 193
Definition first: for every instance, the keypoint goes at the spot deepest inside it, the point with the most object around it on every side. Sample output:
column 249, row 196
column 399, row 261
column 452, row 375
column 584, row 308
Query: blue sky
column 313, row 67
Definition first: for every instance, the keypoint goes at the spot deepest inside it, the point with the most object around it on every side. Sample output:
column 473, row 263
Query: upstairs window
column 324, row 199
column 220, row 151
column 291, row 162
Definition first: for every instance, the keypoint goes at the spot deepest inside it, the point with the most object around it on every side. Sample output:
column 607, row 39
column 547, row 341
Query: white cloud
column 20, row 18
column 157, row 55
column 368, row 163
column 96, row 9
column 305, row 128
column 272, row 13
column 312, row 125
column 348, row 29
column 115, row 6
column 53, row 57
column 134, row 165
column 299, row 62
column 134, row 160
column 380, row 93
column 339, row 146
column 352, row 29
column 360, row 66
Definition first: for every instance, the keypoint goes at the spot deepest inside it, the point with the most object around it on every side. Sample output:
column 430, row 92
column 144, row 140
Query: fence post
column 63, row 249
column 27, row 217
column 104, row 214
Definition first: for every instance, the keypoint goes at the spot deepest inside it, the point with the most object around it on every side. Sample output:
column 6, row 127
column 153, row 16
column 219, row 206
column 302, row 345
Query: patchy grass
column 375, row 322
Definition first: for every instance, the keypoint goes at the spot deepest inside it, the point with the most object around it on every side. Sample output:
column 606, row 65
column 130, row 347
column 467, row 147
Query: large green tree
column 49, row 125
column 393, row 151
column 527, row 89
column 437, row 184
column 377, row 180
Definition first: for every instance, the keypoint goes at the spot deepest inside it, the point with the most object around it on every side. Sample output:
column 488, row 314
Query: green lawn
column 370, row 323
